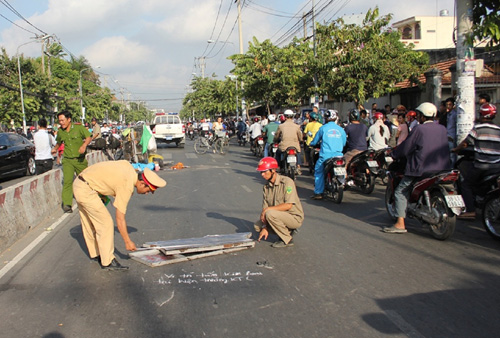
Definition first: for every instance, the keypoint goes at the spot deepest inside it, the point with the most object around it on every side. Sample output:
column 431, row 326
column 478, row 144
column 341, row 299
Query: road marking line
column 226, row 171
column 247, row 189
column 403, row 325
column 31, row 246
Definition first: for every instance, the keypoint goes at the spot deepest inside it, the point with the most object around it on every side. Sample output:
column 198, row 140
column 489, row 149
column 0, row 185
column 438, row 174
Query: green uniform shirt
column 72, row 139
column 283, row 191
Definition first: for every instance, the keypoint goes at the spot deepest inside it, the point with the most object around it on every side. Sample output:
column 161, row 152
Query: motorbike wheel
column 260, row 151
column 390, row 202
column 369, row 185
column 446, row 227
column 290, row 172
column 491, row 216
column 338, row 191
column 201, row 145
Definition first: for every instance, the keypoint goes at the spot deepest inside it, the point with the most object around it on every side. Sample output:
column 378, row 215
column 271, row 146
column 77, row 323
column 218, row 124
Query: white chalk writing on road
column 208, row 277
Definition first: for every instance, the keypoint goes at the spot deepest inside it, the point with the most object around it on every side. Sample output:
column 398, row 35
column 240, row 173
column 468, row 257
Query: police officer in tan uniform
column 288, row 135
column 92, row 188
column 281, row 208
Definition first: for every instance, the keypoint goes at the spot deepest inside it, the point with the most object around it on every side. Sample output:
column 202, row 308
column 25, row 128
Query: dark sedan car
column 17, row 155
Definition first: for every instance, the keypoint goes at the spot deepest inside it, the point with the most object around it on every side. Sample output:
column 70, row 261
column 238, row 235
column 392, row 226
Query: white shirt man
column 255, row 130
column 44, row 141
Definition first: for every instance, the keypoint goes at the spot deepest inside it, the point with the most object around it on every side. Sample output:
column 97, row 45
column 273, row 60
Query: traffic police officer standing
column 76, row 139
column 92, row 188
column 281, row 207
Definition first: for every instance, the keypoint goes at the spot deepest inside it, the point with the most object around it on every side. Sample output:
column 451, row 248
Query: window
column 417, row 31
column 407, row 33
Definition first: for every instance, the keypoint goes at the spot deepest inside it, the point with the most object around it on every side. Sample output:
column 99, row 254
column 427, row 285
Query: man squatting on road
column 281, row 207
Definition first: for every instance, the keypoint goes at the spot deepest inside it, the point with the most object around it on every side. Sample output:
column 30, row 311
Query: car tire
column 31, row 166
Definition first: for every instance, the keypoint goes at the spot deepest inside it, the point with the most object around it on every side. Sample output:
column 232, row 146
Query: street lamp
column 81, row 93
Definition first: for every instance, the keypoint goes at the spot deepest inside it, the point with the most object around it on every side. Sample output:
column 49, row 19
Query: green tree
column 355, row 62
column 485, row 22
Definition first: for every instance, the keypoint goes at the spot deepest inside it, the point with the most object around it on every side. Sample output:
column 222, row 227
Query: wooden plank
column 167, row 251
column 210, row 240
column 155, row 258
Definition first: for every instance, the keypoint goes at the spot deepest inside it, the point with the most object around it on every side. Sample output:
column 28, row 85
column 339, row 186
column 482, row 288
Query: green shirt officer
column 75, row 138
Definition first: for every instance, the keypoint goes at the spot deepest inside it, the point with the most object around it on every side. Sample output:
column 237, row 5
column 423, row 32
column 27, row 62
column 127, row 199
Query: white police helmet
column 271, row 117
column 289, row 112
column 427, row 109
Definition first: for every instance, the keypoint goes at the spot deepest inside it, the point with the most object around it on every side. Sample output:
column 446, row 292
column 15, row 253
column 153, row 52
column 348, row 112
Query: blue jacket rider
column 333, row 139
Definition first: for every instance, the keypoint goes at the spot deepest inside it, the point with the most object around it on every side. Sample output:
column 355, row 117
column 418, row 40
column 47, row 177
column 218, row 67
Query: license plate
column 388, row 159
column 260, row 142
column 372, row 164
column 275, row 147
column 455, row 201
column 339, row 171
column 291, row 159
column 168, row 138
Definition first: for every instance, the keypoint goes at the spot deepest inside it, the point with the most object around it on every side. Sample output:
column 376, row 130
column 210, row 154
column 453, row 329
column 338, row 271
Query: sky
column 150, row 50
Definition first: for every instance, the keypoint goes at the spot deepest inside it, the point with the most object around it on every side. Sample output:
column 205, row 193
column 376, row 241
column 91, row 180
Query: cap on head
column 427, row 109
column 267, row 163
column 152, row 179
column 316, row 106
column 94, row 119
column 289, row 112
column 488, row 111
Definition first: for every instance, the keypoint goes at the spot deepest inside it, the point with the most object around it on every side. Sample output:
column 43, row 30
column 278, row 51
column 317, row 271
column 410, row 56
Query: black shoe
column 96, row 259
column 317, row 197
column 67, row 209
column 294, row 232
column 114, row 266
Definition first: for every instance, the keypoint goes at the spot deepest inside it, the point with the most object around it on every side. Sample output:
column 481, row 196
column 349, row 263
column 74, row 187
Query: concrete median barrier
column 33, row 202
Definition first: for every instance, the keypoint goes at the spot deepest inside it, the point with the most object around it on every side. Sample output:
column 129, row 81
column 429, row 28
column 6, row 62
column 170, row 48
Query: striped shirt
column 486, row 140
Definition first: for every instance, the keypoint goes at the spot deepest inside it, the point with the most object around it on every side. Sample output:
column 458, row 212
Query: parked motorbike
column 362, row 171
column 289, row 163
column 191, row 134
column 433, row 199
column 335, row 174
column 383, row 161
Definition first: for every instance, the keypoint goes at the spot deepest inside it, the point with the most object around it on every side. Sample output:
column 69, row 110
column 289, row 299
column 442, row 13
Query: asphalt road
column 343, row 277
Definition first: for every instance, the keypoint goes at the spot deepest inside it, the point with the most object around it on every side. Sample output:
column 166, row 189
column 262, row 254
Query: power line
column 15, row 24
column 13, row 10
column 269, row 11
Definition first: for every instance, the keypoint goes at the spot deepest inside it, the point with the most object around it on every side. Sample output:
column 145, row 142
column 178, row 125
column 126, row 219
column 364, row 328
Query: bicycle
column 219, row 143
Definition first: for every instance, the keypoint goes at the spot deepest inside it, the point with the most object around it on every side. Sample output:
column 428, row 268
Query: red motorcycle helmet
column 411, row 113
column 378, row 116
column 488, row 111
column 282, row 118
column 255, row 119
column 267, row 163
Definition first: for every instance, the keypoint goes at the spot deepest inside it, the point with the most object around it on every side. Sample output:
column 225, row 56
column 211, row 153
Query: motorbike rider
column 255, row 131
column 356, row 136
column 241, row 128
column 309, row 132
column 332, row 139
column 378, row 133
column 411, row 117
column 425, row 150
column 204, row 127
column 269, row 130
column 96, row 129
column 282, row 211
column 485, row 137
column 289, row 135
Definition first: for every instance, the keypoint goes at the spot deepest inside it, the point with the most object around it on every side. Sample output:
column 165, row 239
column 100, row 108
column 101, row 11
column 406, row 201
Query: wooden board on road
column 182, row 250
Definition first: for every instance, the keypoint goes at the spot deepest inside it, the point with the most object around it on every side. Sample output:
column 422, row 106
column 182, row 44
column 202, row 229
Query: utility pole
column 304, row 23
column 316, row 97
column 466, row 66
column 243, row 103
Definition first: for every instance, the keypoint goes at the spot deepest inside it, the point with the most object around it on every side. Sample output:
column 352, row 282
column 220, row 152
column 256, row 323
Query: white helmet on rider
column 289, row 112
column 271, row 117
column 427, row 109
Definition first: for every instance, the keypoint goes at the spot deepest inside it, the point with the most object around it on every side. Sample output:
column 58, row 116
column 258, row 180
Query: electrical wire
column 13, row 10
column 15, row 24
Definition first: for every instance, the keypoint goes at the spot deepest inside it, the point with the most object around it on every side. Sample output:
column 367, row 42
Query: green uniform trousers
column 70, row 167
